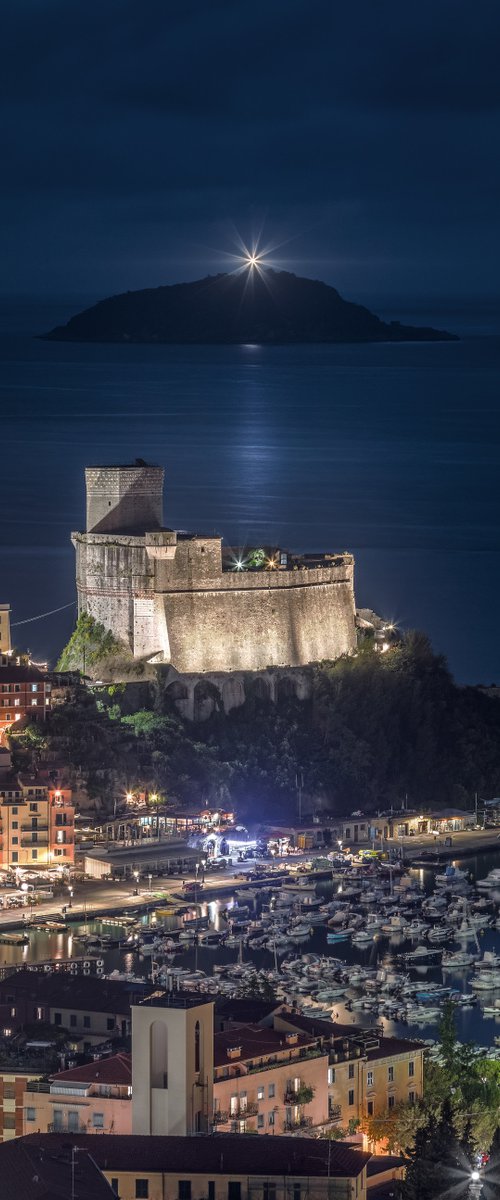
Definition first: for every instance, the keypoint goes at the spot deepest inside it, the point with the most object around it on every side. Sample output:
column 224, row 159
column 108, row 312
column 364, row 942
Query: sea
column 389, row 451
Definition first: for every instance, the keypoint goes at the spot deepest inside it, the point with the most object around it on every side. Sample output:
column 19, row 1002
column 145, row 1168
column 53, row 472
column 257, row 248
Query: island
column 264, row 306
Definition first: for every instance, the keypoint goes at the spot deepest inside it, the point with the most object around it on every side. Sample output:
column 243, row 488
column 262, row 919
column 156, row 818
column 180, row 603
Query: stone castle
column 183, row 599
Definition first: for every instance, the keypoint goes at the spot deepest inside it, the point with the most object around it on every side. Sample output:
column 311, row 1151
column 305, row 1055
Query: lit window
column 331, row 1074
column 34, row 703
column 369, row 1079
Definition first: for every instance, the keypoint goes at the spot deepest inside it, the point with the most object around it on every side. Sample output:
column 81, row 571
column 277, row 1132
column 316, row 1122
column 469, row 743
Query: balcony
column 27, row 840
column 56, row 1128
column 220, row 1117
column 298, row 1123
column 27, row 827
column 335, row 1112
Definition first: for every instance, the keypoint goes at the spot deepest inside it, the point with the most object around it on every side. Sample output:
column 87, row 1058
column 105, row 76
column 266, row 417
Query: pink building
column 95, row 1098
column 268, row 1081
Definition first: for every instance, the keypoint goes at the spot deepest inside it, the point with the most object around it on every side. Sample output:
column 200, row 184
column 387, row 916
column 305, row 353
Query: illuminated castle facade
column 183, row 600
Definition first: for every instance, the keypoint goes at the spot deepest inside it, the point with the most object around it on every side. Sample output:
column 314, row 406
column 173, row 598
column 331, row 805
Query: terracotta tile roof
column 234, row 1154
column 255, row 1043
column 117, row 1069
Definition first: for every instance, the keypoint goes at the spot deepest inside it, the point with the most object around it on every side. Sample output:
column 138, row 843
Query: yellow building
column 368, row 1074
column 224, row 1167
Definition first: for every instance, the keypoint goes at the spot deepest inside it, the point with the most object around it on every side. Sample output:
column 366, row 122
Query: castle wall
column 284, row 619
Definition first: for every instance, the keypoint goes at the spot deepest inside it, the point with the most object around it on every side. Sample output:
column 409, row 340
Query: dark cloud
column 135, row 133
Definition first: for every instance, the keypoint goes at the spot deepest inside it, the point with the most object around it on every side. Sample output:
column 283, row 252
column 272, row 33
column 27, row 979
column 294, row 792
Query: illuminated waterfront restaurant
column 156, row 821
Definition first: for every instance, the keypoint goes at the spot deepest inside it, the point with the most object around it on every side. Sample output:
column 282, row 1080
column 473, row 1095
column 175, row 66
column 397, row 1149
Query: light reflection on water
column 471, row 1024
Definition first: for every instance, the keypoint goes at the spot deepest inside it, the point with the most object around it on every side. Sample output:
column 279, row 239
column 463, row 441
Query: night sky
column 140, row 138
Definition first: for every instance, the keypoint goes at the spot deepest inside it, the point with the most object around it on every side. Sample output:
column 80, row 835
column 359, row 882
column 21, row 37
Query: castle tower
column 124, row 499
column 172, row 1064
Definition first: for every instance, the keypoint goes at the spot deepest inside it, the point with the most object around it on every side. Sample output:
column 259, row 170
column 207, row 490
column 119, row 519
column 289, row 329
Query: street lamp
column 150, row 877
column 136, row 877
column 70, row 890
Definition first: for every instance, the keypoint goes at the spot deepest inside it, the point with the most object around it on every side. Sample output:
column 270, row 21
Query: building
column 172, row 1064
column 269, row 1080
column 417, row 824
column 45, row 1170
column 220, row 1168
column 368, row 1074
column 13, row 1083
column 24, row 694
column 91, row 1009
column 178, row 598
column 94, row 1098
column 36, row 822
column 5, row 642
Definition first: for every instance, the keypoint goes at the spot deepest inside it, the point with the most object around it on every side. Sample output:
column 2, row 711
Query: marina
column 360, row 944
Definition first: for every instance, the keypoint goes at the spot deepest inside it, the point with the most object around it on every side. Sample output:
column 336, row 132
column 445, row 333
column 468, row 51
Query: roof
column 254, row 1042
column 78, row 992
column 236, row 1155
column 31, row 1170
column 384, row 1162
column 13, row 674
column 318, row 1027
column 387, row 1047
column 117, row 1069
column 164, row 999
column 390, row 1046
column 245, row 1010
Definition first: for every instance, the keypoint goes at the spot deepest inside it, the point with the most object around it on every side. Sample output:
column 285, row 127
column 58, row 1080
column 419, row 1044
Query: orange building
column 36, row 823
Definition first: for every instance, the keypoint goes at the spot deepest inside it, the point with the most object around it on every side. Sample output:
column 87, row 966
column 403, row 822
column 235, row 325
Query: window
column 9, row 1089
column 57, row 1019
column 369, row 1108
column 15, row 856
column 260, row 1093
column 211, row 1189
column 16, row 703
column 390, row 1074
column 12, row 1013
column 411, row 1097
column 72, row 1020
column 391, row 1101
column 34, row 703
column 369, row 1078
column 331, row 1074
column 98, row 1120
column 86, row 1022
column 260, row 1121
column 31, row 1114
column 9, row 1120
column 142, row 1189
column 270, row 1119
column 351, row 1070
column 234, row 1190
column 34, row 687
column 114, row 1185
column 34, row 853
column 34, row 807
column 296, row 1191
column 271, row 1091
column 411, row 1069
column 268, row 1191
column 184, row 1189
column 14, row 812
column 15, row 841
column 110, row 1023
column 351, row 1096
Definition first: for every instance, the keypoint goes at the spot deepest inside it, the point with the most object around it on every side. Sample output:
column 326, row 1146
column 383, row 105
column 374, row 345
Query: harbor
column 365, row 944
